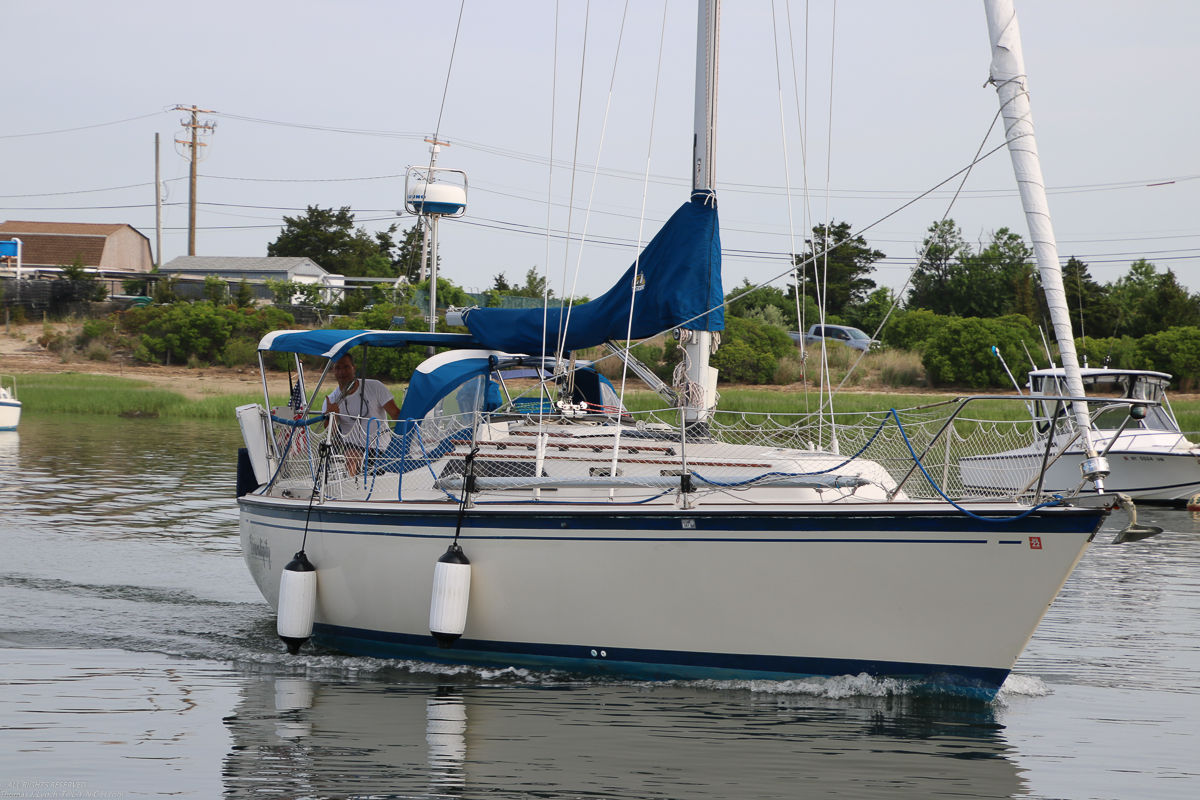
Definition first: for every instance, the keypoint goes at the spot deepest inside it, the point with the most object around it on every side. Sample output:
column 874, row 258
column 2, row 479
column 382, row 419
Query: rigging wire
column 638, row 258
column 587, row 15
column 929, row 242
column 592, row 191
column 549, row 213
column 823, row 291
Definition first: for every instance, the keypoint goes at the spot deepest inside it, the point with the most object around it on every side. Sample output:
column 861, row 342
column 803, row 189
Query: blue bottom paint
column 972, row 682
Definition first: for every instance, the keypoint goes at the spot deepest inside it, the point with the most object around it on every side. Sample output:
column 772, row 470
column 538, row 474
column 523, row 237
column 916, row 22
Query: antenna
column 1046, row 346
column 434, row 192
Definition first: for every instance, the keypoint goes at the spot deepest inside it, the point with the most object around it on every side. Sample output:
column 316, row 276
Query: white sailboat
column 569, row 534
column 10, row 406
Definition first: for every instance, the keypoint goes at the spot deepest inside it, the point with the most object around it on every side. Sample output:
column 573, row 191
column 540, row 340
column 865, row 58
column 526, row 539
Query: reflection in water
column 611, row 741
column 123, row 478
column 445, row 733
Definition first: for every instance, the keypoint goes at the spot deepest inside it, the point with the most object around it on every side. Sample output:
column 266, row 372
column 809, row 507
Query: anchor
column 1134, row 532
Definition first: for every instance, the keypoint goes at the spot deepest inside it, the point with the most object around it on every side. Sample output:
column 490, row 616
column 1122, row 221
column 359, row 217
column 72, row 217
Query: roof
column 208, row 264
column 1092, row 372
column 57, row 243
column 17, row 227
column 52, row 250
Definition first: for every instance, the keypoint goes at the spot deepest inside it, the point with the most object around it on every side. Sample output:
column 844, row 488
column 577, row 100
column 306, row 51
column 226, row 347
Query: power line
column 83, row 128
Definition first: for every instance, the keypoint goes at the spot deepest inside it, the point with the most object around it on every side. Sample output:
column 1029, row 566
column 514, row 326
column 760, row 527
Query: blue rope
column 1058, row 499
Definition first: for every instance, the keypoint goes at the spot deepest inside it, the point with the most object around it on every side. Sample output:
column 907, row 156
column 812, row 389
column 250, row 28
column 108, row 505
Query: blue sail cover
column 679, row 282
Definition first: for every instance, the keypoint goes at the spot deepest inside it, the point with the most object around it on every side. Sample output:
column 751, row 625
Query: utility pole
column 197, row 128
column 157, row 206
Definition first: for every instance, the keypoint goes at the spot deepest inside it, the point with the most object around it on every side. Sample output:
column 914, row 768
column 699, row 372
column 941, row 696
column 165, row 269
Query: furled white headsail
column 1008, row 75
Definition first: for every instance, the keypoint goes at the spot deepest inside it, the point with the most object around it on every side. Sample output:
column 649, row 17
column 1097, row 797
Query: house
column 120, row 248
column 256, row 270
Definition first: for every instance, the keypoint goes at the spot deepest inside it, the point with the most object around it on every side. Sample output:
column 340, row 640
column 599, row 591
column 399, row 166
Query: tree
column 535, row 286
column 835, row 266
column 244, row 298
column 1146, row 301
column 744, row 303
column 330, row 239
column 406, row 259
column 870, row 314
column 953, row 280
column 930, row 284
column 216, row 290
column 1088, row 302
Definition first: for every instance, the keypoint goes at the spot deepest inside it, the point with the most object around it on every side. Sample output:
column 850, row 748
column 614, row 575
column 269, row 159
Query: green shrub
column 750, row 351
column 179, row 330
column 910, row 330
column 1121, row 353
column 240, row 351
column 1175, row 351
column 961, row 351
column 98, row 351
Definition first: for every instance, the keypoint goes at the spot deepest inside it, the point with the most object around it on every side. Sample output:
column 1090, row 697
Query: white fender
column 297, row 602
column 451, row 591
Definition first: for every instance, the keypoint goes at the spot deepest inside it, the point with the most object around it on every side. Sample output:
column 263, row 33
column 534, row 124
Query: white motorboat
column 1150, row 458
column 691, row 543
column 10, row 406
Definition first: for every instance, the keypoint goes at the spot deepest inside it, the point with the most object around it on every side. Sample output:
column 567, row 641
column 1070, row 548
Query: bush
column 54, row 341
column 1175, row 351
column 215, row 289
column 240, row 352
column 1120, row 353
column 98, row 351
column 179, row 330
column 95, row 329
column 750, row 351
column 910, row 330
column 961, row 351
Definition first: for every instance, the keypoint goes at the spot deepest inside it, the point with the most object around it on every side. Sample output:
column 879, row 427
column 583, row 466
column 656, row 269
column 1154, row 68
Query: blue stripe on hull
column 546, row 519
column 975, row 682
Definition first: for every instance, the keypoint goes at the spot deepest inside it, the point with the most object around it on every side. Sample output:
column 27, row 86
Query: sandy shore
column 20, row 354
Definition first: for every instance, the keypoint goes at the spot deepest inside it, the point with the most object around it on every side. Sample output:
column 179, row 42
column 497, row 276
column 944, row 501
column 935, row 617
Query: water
column 139, row 660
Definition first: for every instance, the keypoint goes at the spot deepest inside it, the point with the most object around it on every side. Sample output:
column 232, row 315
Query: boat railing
column 959, row 449
column 8, row 386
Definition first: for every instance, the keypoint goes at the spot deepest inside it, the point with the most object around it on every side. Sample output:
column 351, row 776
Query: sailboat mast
column 707, row 39
column 700, row 397
column 1008, row 75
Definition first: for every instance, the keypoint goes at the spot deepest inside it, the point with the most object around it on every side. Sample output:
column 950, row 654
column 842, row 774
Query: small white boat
column 10, row 406
column 1149, row 457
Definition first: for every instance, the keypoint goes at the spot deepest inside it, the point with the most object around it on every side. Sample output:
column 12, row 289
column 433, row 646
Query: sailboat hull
column 1149, row 475
column 10, row 415
column 919, row 593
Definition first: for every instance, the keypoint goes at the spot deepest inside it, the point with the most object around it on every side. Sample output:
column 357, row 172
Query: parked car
column 851, row 337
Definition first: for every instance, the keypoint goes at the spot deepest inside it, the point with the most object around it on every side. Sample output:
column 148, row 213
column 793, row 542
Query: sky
column 843, row 111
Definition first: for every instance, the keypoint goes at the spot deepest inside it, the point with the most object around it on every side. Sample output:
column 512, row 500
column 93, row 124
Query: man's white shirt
column 367, row 400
